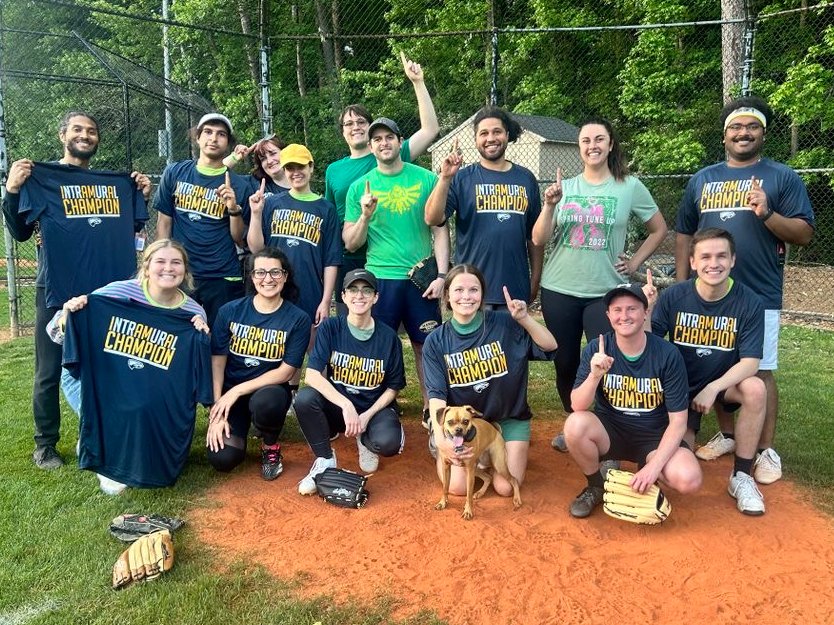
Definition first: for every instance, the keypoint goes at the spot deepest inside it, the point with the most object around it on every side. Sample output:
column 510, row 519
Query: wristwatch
column 768, row 214
column 237, row 212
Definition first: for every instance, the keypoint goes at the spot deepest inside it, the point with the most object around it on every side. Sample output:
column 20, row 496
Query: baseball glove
column 129, row 527
column 342, row 488
column 424, row 273
column 147, row 558
column 621, row 502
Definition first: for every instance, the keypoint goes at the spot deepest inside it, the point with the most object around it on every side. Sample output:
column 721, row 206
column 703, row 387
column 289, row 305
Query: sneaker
column 717, row 446
column 368, row 460
column 768, row 467
column 426, row 418
column 271, row 466
column 47, row 457
column 747, row 495
column 307, row 486
column 605, row 465
column 108, row 486
column 559, row 443
column 586, row 501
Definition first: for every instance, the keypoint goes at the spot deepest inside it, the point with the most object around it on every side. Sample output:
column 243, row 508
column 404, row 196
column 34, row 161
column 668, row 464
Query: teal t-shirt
column 341, row 174
column 590, row 233
column 398, row 237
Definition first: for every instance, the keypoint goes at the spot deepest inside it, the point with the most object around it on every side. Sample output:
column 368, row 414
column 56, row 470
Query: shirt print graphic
column 725, row 197
column 587, row 221
column 296, row 226
column 198, row 202
column 503, row 199
column 140, row 343
column 255, row 344
column 475, row 367
column 632, row 395
column 356, row 373
column 92, row 202
column 399, row 199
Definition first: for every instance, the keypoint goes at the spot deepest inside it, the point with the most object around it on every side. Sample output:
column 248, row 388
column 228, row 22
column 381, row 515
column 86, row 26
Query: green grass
column 56, row 554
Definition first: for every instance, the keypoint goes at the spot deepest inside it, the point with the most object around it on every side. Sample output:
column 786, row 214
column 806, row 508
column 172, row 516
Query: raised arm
column 421, row 140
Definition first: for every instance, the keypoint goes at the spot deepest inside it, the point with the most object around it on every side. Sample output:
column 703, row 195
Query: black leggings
column 566, row 317
column 320, row 419
column 266, row 409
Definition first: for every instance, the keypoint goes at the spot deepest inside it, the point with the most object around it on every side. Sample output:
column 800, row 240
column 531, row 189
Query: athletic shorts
column 693, row 421
column 400, row 302
column 631, row 443
column 770, row 353
column 515, row 429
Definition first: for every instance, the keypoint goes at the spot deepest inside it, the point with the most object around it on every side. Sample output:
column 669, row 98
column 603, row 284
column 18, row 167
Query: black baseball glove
column 342, row 488
column 424, row 273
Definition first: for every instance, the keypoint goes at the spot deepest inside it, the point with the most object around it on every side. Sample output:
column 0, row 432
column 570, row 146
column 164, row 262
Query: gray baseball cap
column 384, row 122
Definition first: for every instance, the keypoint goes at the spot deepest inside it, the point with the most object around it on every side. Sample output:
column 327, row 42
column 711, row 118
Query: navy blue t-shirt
column 495, row 212
column 711, row 336
column 142, row 370
column 270, row 188
column 308, row 233
column 716, row 197
column 642, row 393
column 88, row 220
column 256, row 343
column 359, row 370
column 486, row 369
column 200, row 220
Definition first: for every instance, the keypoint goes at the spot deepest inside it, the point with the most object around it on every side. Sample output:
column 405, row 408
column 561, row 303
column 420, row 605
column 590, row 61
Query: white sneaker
column 108, row 486
column 749, row 499
column 307, row 486
column 717, row 446
column 368, row 460
column 768, row 467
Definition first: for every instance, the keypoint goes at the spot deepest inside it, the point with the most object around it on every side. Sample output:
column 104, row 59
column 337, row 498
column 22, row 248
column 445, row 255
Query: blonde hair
column 153, row 248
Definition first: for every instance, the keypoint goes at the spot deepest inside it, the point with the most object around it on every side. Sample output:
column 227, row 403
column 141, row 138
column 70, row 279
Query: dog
column 465, row 427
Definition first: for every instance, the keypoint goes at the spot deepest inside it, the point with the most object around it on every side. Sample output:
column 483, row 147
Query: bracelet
column 441, row 275
column 768, row 214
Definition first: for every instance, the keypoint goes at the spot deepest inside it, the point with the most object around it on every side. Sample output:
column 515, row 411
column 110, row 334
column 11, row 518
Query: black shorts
column 693, row 421
column 629, row 442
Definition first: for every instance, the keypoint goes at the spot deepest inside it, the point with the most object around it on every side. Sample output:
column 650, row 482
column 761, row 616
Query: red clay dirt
column 706, row 564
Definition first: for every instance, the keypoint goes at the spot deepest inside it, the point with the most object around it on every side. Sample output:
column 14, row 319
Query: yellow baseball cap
column 296, row 153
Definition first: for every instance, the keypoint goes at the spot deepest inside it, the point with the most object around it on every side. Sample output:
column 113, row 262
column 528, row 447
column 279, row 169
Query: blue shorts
column 401, row 302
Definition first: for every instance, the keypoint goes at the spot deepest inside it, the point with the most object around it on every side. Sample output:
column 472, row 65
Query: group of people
column 196, row 327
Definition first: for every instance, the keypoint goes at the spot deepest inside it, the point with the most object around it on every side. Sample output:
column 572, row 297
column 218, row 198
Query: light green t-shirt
column 590, row 233
column 340, row 174
column 398, row 237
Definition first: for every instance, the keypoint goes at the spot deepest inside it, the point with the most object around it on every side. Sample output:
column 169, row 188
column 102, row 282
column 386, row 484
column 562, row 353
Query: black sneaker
column 271, row 466
column 47, row 457
column 426, row 418
column 586, row 501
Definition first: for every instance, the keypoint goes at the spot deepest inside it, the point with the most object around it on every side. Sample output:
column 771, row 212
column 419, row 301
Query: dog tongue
column 457, row 441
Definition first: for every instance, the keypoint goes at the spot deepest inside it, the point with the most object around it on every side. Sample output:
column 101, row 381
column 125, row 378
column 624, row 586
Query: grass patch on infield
column 56, row 554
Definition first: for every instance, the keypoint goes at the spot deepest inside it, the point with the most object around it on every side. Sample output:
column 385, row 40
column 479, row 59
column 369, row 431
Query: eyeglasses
column 751, row 127
column 359, row 123
column 275, row 274
column 364, row 290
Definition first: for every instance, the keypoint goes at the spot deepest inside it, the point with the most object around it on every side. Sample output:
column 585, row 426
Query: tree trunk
column 732, row 46
column 251, row 56
column 338, row 46
column 299, row 76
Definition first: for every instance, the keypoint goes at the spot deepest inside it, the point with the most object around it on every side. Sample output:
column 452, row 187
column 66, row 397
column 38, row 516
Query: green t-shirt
column 341, row 174
column 398, row 237
column 590, row 233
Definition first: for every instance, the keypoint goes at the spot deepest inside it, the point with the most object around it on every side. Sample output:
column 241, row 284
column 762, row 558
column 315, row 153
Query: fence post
column 493, row 90
column 266, row 100
column 11, row 268
column 749, row 40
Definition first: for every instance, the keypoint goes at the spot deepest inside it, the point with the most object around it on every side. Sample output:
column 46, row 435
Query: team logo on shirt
column 140, row 343
column 90, row 201
column 400, row 199
column 503, row 216
column 480, row 387
column 724, row 195
column 198, row 201
column 475, row 367
column 296, row 226
column 251, row 362
column 356, row 373
column 705, row 331
column 501, row 198
column 632, row 395
column 257, row 344
column 586, row 222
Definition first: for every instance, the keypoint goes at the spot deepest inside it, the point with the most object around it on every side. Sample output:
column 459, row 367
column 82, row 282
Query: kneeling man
column 636, row 383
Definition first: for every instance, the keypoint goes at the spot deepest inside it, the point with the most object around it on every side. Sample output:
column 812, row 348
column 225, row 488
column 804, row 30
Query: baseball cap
column 635, row 290
column 359, row 274
column 296, row 153
column 384, row 122
column 216, row 117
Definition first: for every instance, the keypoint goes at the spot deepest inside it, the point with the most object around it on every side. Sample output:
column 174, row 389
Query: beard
column 83, row 153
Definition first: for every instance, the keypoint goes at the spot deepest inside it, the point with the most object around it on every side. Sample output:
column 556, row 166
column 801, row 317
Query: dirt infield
column 707, row 563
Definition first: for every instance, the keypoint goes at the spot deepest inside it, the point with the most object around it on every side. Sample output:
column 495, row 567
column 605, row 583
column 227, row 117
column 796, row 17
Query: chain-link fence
column 660, row 71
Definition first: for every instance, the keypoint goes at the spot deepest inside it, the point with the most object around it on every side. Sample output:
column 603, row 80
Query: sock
column 266, row 445
column 745, row 465
column 729, row 435
column 595, row 479
column 293, row 388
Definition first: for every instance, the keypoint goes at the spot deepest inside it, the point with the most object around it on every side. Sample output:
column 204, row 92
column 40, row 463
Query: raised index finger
column 601, row 345
column 507, row 297
column 559, row 176
column 228, row 179
column 367, row 187
column 754, row 184
column 263, row 185
column 404, row 59
column 649, row 282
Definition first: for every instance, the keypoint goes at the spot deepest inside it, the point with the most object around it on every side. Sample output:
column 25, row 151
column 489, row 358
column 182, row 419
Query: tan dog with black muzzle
column 465, row 427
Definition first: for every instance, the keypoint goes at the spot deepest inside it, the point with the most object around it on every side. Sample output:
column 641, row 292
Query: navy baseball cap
column 635, row 290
